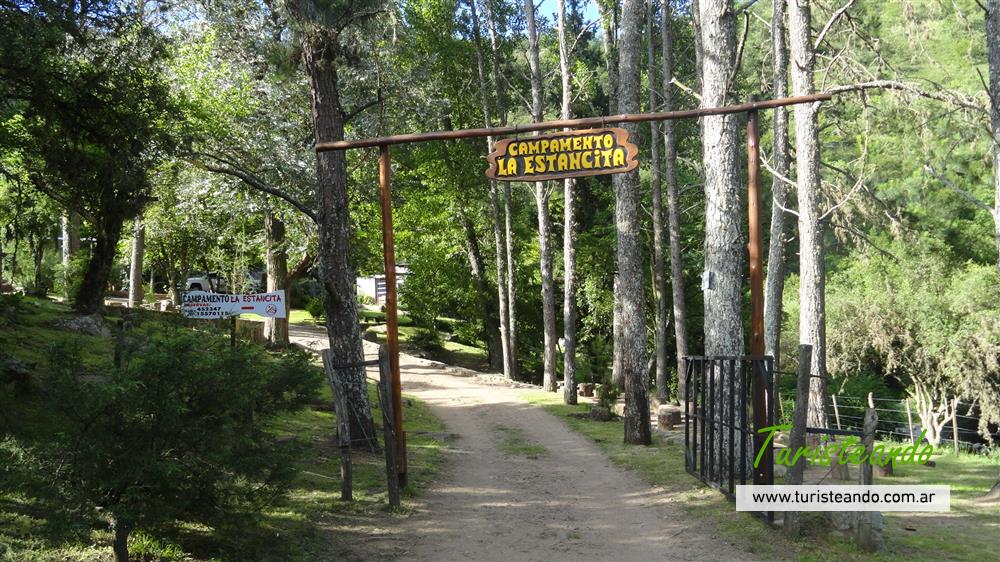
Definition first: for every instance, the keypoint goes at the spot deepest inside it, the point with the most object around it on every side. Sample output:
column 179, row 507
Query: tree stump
column 667, row 417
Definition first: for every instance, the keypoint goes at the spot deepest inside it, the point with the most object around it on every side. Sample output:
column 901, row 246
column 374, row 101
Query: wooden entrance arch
column 751, row 108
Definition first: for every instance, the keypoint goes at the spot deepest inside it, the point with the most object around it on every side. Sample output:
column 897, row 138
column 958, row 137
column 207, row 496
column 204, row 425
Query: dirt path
column 520, row 485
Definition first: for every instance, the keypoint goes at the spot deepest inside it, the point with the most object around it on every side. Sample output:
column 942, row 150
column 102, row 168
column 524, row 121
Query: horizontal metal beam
column 569, row 123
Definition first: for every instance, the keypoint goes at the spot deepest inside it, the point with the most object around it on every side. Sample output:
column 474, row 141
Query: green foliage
column 69, row 278
column 920, row 319
column 365, row 299
column 179, row 430
column 315, row 307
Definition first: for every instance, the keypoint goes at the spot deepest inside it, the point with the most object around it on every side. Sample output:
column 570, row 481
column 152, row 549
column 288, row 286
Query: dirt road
column 520, row 485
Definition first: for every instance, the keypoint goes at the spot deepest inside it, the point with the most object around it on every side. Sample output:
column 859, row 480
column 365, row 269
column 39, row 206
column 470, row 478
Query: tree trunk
column 135, row 267
column 498, row 236
column 812, row 313
column 90, row 297
column 276, row 329
column 491, row 328
column 775, row 286
column 699, row 48
column 609, row 43
column 70, row 245
column 659, row 270
column 121, row 531
column 569, row 231
column 335, row 270
column 39, row 288
column 629, row 296
column 993, row 48
column 542, row 193
column 724, row 241
column 508, row 206
column 673, row 200
column 501, row 110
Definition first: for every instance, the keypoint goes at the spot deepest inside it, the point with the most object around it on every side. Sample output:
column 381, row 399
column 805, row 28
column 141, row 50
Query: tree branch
column 951, row 185
column 349, row 115
column 829, row 24
column 946, row 96
column 252, row 181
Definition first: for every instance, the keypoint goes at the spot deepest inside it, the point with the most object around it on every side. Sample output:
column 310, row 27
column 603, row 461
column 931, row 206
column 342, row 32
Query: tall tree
column 89, row 81
column 501, row 111
column 673, row 197
column 779, row 189
column 723, row 239
column 70, row 244
column 630, row 299
column 569, row 230
column 543, row 191
column 812, row 289
column 993, row 48
column 655, row 187
column 498, row 233
column 320, row 29
column 135, row 266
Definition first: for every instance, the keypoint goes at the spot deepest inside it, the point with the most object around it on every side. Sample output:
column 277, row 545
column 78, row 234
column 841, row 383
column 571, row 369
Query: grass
column 967, row 533
column 365, row 317
column 309, row 523
column 415, row 340
column 513, row 442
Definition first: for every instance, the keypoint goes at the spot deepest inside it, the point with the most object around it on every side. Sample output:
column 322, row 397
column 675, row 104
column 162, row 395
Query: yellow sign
column 563, row 155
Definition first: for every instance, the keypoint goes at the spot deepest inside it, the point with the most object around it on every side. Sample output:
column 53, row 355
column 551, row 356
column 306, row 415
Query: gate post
column 391, row 318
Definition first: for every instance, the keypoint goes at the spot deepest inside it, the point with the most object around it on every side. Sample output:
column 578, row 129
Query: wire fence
column 897, row 419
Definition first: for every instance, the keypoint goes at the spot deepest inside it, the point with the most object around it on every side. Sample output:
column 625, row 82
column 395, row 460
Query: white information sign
column 202, row 304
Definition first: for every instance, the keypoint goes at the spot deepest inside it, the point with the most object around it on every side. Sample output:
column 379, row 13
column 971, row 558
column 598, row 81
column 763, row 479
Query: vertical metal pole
column 836, row 411
column 756, row 260
column 391, row 319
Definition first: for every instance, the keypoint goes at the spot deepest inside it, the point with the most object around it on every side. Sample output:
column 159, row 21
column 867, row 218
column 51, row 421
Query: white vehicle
column 215, row 283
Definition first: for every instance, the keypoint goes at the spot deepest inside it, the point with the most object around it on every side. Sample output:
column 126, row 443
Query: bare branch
column 951, row 185
column 944, row 95
column 685, row 89
column 829, row 24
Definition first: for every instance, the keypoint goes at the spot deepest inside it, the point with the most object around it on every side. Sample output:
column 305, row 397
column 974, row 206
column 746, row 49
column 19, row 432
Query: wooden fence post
column 868, row 527
column 343, row 427
column 793, row 519
column 836, row 411
column 385, row 400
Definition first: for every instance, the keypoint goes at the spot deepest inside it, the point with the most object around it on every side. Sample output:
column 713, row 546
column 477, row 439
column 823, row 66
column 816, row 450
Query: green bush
column 315, row 307
column 68, row 279
column 365, row 299
column 179, row 431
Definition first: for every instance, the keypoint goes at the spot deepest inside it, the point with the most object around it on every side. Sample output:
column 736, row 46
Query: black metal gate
column 729, row 398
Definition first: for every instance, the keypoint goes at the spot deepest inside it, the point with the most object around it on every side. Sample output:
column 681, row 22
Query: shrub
column 365, row 299
column 315, row 307
column 180, row 430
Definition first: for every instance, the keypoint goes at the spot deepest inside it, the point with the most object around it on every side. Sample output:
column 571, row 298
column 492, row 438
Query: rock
column 92, row 325
column 931, row 464
column 598, row 413
column 668, row 416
